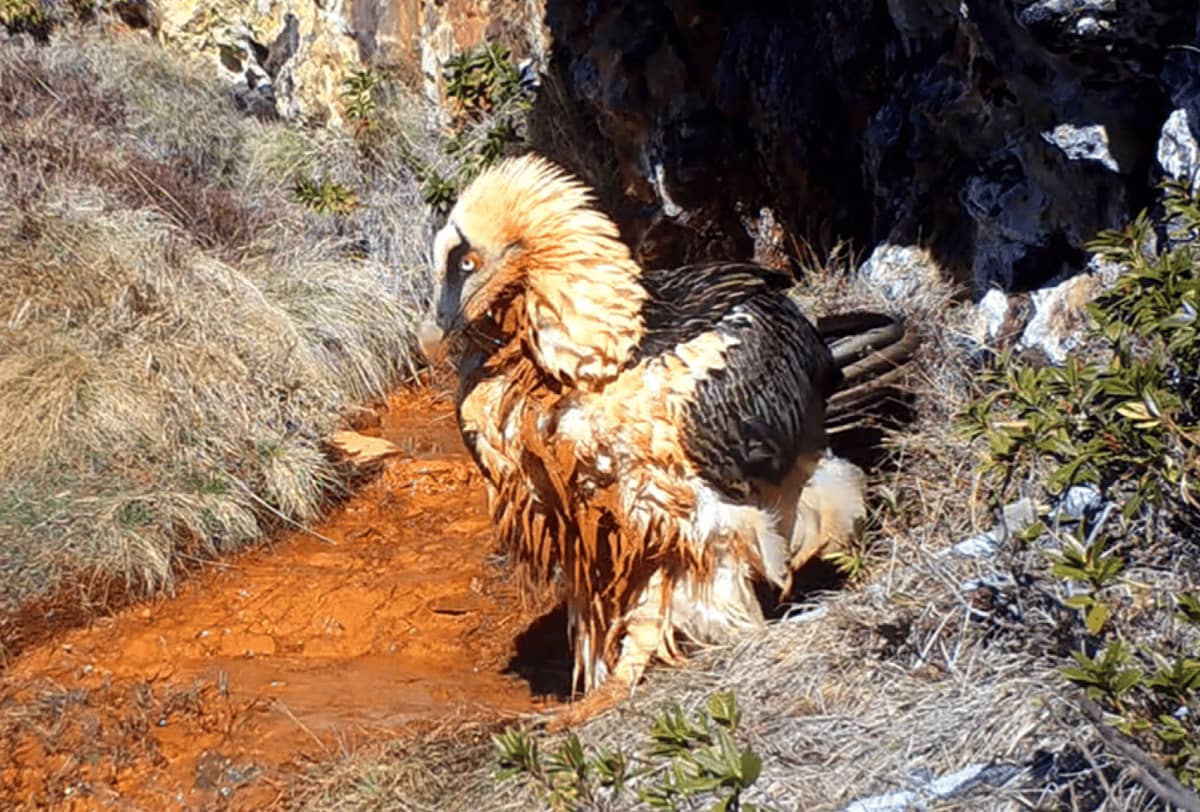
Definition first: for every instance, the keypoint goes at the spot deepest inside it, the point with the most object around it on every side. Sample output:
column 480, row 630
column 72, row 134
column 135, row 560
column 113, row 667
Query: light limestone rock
column 1059, row 317
column 292, row 56
column 901, row 272
column 1178, row 149
column 304, row 84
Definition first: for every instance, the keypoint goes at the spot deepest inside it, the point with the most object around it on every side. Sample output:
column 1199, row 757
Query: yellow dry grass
column 177, row 336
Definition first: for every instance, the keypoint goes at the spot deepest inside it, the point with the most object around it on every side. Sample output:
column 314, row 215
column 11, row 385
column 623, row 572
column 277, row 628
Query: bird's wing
column 760, row 402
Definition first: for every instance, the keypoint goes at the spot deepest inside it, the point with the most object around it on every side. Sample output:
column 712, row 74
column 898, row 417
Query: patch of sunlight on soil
column 288, row 653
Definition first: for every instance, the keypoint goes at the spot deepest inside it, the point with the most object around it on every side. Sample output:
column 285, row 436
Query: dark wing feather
column 751, row 419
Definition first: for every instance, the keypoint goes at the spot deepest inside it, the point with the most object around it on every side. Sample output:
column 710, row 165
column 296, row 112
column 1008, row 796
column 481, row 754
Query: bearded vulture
column 653, row 440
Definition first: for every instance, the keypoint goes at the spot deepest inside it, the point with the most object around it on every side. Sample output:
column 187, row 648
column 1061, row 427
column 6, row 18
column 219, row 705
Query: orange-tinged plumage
column 647, row 435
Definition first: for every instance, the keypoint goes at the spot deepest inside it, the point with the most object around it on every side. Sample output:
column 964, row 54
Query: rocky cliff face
column 289, row 57
column 987, row 140
column 996, row 137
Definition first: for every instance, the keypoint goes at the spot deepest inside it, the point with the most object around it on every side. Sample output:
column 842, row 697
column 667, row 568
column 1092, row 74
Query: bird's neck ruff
column 579, row 302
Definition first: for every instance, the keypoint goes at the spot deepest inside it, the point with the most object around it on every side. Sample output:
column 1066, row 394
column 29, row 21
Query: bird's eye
column 467, row 264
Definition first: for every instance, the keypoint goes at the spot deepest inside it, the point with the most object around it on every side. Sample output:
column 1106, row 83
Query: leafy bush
column 1129, row 420
column 1122, row 416
column 481, row 79
column 25, row 17
column 324, row 196
column 485, row 91
column 358, row 96
column 687, row 760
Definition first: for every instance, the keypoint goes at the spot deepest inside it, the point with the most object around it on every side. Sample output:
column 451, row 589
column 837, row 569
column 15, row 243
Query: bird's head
column 465, row 289
column 524, row 257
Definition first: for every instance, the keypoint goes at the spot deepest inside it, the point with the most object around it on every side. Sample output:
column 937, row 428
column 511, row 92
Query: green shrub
column 325, row 196
column 481, row 79
column 1122, row 415
column 687, row 760
column 357, row 90
column 484, row 89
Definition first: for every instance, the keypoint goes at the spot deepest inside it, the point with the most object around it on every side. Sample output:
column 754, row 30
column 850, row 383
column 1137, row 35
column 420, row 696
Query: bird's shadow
column 543, row 656
column 809, row 581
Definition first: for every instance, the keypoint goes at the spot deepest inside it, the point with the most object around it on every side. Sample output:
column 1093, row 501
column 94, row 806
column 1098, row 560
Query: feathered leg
column 646, row 627
column 829, row 512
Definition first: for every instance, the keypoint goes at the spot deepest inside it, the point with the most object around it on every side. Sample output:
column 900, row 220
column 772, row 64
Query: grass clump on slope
column 177, row 335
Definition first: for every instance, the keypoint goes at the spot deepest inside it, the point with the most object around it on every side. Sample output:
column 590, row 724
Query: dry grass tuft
column 443, row 768
column 177, row 335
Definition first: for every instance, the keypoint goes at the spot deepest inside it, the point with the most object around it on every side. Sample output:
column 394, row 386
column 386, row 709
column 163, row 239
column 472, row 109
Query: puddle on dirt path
column 288, row 652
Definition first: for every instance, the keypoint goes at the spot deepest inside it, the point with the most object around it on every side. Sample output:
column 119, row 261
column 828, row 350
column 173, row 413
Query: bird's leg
column 610, row 694
column 644, row 630
column 645, row 626
column 830, row 510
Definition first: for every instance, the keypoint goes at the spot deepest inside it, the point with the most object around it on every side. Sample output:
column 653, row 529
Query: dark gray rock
column 997, row 136
column 283, row 48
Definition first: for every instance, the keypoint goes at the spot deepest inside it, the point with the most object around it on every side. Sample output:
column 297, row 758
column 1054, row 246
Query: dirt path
column 287, row 654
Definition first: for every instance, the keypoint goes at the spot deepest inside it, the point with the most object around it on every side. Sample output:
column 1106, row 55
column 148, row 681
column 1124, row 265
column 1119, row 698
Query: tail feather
column 872, row 351
column 852, row 335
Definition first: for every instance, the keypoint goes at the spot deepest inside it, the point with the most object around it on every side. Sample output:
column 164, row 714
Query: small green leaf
column 1080, row 601
column 1097, row 616
column 1189, row 608
column 722, row 707
column 751, row 767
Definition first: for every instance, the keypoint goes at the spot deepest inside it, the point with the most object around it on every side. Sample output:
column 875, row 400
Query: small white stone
column 993, row 311
column 1088, row 142
column 1178, row 153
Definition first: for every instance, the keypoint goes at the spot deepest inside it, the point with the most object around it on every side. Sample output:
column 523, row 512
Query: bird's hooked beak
column 439, row 324
column 444, row 317
column 431, row 338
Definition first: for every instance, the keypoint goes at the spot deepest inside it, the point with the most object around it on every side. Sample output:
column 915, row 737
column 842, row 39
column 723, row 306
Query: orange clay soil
column 288, row 654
